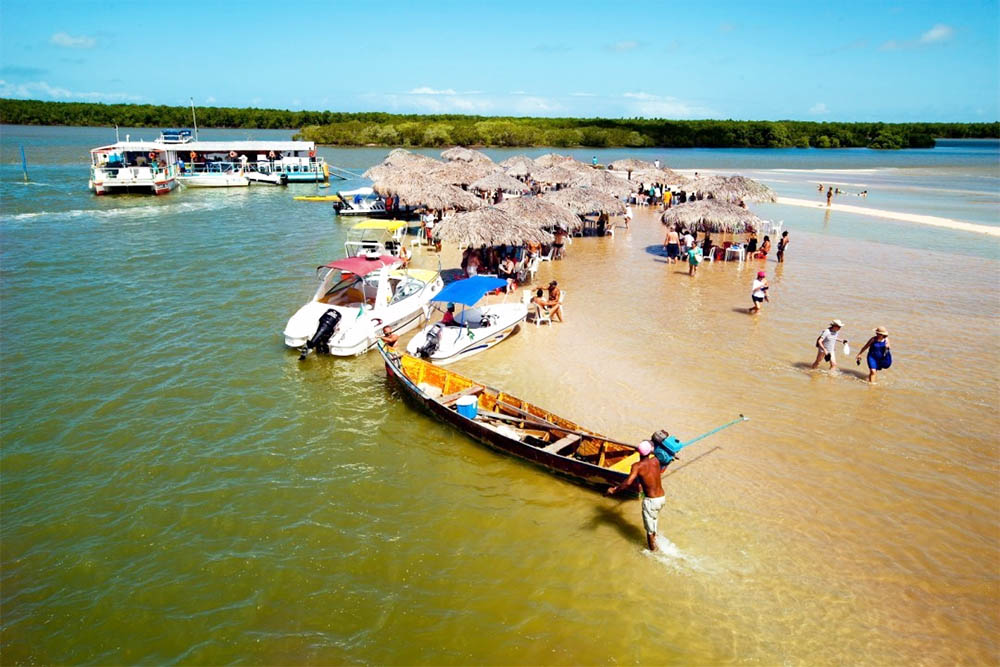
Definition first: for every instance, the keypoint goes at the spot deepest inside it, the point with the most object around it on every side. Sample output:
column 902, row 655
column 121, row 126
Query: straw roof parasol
column 667, row 176
column 552, row 159
column 554, row 175
column 487, row 226
column 733, row 188
column 462, row 154
column 585, row 200
column 519, row 165
column 499, row 181
column 458, row 172
column 540, row 213
column 400, row 159
column 417, row 189
column 604, row 181
column 630, row 164
column 712, row 215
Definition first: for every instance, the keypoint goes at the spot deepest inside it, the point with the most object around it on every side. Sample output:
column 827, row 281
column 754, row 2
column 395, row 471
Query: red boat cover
column 362, row 266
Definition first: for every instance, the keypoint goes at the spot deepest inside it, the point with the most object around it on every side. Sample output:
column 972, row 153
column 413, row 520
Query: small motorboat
column 363, row 201
column 214, row 179
column 317, row 198
column 262, row 177
column 383, row 237
column 474, row 329
column 357, row 296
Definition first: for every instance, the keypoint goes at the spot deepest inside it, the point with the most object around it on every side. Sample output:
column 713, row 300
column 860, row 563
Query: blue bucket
column 468, row 406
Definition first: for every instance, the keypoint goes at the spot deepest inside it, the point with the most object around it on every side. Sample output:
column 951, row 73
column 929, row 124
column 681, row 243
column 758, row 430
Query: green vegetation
column 383, row 129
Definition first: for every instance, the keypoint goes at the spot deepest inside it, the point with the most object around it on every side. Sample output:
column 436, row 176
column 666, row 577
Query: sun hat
column 836, row 323
column 645, row 447
column 882, row 330
column 761, row 274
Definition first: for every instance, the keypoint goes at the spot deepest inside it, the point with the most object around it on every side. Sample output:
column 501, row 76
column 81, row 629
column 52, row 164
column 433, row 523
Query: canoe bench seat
column 562, row 443
column 451, row 399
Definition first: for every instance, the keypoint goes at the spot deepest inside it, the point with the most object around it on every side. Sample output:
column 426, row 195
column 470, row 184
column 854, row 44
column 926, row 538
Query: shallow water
column 176, row 487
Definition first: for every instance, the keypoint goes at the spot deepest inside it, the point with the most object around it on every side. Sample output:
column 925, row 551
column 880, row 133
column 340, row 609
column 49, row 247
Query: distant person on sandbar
column 672, row 244
column 829, row 196
column 647, row 472
column 758, row 293
column 826, row 344
column 782, row 244
column 879, row 354
column 820, row 188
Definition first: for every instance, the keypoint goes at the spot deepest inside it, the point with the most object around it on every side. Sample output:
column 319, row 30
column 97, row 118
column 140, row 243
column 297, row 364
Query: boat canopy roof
column 257, row 147
column 423, row 275
column 364, row 192
column 362, row 266
column 388, row 225
column 467, row 292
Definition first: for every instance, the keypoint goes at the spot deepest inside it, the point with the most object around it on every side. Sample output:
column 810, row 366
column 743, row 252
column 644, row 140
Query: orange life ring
column 312, row 153
column 271, row 155
column 194, row 156
column 232, row 154
column 152, row 155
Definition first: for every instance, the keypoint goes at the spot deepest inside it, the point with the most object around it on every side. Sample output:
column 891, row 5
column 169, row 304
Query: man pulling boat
column 647, row 471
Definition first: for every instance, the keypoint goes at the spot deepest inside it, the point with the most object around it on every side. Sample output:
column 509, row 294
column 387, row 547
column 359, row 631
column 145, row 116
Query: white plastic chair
column 532, row 267
column 542, row 315
column 547, row 257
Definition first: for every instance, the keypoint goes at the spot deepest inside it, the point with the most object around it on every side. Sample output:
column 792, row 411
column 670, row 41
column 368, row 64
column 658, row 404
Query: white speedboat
column 363, row 201
column 381, row 237
column 474, row 329
column 357, row 296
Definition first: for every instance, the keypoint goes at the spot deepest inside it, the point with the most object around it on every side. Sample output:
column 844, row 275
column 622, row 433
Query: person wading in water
column 647, row 470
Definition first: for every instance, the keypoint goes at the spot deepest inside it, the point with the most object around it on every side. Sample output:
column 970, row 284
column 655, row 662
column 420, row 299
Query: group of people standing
column 879, row 356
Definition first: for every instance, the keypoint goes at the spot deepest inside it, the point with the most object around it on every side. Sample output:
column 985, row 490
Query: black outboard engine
column 320, row 340
column 431, row 341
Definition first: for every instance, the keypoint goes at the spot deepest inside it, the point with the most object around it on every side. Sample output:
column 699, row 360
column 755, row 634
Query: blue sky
column 862, row 61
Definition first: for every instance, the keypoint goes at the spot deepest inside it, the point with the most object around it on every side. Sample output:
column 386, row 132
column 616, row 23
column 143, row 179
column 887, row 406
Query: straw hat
column 836, row 323
column 882, row 331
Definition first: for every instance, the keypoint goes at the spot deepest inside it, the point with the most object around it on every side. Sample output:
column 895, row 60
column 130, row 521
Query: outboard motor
column 431, row 341
column 320, row 340
column 665, row 447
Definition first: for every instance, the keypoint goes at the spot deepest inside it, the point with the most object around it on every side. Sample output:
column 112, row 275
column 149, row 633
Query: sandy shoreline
column 896, row 215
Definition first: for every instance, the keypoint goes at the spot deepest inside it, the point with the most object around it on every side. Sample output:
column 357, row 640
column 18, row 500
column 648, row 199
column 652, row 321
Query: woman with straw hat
column 879, row 354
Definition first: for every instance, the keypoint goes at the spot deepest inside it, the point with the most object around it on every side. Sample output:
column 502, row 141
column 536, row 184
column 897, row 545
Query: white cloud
column 818, row 108
column 44, row 90
column 519, row 92
column 655, row 106
column 70, row 42
column 426, row 90
column 626, row 45
column 583, row 94
column 209, row 100
column 939, row 33
column 535, row 105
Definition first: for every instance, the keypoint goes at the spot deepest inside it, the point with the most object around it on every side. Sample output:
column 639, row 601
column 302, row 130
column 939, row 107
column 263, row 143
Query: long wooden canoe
column 511, row 425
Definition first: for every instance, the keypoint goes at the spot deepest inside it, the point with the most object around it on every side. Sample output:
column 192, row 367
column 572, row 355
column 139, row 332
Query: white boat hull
column 459, row 342
column 214, row 181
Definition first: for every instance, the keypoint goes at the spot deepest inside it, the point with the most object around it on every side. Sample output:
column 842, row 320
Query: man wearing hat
column 826, row 344
column 647, row 471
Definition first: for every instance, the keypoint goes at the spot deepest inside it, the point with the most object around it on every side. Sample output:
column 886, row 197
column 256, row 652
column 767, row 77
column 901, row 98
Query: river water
column 177, row 487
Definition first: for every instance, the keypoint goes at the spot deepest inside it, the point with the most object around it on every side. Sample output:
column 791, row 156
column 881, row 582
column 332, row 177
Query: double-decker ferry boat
column 176, row 157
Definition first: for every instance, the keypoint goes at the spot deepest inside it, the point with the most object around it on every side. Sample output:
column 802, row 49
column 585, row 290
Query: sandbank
column 896, row 215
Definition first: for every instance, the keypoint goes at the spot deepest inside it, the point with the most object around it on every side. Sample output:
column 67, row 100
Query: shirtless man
column 647, row 470
column 550, row 307
column 388, row 337
column 553, row 301
column 672, row 244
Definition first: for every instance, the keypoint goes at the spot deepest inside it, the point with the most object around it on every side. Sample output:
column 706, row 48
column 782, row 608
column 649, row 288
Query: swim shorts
column 673, row 250
column 650, row 512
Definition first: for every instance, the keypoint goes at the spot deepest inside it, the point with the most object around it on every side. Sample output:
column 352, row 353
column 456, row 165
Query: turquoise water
column 177, row 488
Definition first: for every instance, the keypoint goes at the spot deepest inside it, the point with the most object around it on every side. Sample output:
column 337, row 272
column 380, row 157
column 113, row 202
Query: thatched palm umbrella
column 499, row 181
column 712, row 215
column 585, row 200
column 460, row 173
column 462, row 154
column 630, row 164
column 604, row 181
column 733, row 188
column 552, row 159
column 519, row 165
column 400, row 159
column 540, row 213
column 417, row 190
column 666, row 176
column 554, row 175
column 488, row 226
